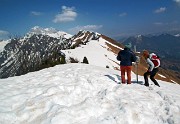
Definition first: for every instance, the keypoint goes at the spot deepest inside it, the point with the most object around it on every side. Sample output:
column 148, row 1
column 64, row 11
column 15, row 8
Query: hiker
column 126, row 57
column 153, row 62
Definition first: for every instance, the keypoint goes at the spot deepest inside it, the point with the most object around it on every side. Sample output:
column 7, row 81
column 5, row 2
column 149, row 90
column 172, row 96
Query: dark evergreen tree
column 107, row 66
column 85, row 60
column 62, row 60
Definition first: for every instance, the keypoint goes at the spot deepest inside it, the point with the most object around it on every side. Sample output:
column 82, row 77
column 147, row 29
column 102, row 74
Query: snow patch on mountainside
column 177, row 35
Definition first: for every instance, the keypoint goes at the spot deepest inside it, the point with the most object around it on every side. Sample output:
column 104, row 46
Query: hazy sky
column 110, row 17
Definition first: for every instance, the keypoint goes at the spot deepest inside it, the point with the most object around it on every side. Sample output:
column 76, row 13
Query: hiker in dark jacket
column 126, row 57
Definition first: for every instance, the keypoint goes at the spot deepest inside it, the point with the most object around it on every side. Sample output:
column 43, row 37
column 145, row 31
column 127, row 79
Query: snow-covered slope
column 99, row 51
column 85, row 94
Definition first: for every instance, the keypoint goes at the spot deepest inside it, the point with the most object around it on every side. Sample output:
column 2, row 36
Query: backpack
column 155, row 59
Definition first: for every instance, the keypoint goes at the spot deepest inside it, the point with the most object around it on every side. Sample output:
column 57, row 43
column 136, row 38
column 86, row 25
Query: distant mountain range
column 42, row 48
column 165, row 45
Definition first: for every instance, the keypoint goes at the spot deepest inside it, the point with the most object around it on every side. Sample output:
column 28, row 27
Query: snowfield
column 86, row 94
column 97, row 53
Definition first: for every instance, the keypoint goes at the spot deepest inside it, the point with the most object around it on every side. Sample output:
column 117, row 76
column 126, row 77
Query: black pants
column 152, row 74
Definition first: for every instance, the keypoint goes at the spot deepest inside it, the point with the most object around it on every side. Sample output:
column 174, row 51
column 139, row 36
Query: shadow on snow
column 117, row 79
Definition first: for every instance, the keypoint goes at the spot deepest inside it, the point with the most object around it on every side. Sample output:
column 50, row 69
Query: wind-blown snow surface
column 85, row 94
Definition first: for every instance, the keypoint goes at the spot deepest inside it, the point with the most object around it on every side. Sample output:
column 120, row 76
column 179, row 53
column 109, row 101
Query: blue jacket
column 126, row 57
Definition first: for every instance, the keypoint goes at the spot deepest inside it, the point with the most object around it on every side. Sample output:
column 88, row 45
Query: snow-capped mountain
column 52, row 32
column 28, row 53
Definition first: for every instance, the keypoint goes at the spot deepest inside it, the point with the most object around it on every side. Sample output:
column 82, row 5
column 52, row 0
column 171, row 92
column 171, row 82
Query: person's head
column 128, row 46
column 145, row 53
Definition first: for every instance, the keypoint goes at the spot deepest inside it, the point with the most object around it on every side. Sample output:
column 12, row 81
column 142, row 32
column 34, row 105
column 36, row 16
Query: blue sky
column 110, row 17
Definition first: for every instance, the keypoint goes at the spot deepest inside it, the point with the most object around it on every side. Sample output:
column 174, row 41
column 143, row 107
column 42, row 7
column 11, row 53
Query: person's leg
column 129, row 68
column 146, row 74
column 153, row 73
column 122, row 74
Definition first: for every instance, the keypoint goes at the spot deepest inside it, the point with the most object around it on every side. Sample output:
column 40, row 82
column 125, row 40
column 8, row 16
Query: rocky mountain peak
column 84, row 36
column 52, row 32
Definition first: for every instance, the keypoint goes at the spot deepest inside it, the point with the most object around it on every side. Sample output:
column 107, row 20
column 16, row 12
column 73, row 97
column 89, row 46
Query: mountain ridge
column 35, row 51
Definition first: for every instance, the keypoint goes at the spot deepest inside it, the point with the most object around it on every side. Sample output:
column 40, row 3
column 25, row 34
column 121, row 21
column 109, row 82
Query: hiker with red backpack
column 153, row 62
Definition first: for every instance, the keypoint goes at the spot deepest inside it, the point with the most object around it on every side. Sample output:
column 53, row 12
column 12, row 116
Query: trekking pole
column 137, row 71
column 137, row 61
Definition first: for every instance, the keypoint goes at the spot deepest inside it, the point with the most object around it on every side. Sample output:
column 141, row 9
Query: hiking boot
column 147, row 85
column 157, row 85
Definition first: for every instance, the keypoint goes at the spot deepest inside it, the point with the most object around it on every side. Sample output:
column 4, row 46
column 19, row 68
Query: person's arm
column 151, row 64
column 119, row 57
column 133, row 57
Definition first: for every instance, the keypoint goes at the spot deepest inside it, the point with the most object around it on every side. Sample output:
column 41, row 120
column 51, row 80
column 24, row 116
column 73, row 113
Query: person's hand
column 137, row 59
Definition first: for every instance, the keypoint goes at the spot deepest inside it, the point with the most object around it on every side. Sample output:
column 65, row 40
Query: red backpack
column 155, row 59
